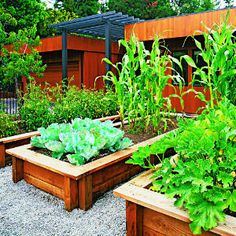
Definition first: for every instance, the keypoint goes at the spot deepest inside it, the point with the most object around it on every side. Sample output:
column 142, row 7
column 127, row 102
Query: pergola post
column 108, row 44
column 64, row 59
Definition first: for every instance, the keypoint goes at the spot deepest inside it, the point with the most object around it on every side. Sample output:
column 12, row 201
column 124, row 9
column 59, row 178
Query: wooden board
column 155, row 205
column 171, row 27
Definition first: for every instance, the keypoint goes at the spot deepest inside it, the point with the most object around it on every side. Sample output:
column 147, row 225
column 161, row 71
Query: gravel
column 27, row 211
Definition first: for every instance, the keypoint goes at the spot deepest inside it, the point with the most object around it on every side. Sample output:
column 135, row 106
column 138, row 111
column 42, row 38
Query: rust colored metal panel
column 76, row 43
column 175, row 27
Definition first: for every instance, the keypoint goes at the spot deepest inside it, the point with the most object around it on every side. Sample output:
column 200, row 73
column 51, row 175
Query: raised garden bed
column 78, row 186
column 151, row 213
column 21, row 139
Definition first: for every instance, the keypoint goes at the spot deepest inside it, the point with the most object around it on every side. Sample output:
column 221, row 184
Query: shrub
column 41, row 107
column 8, row 125
column 35, row 111
column 83, row 104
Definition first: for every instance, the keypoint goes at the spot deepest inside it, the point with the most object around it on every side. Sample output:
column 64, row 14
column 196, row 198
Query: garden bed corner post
column 2, row 155
column 134, row 213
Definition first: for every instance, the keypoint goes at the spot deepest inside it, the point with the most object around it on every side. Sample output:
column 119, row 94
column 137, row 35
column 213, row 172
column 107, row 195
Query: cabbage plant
column 80, row 140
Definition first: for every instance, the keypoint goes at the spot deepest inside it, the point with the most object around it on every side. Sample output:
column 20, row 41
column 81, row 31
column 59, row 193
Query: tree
column 186, row 6
column 27, row 13
column 18, row 56
column 143, row 9
column 151, row 9
column 54, row 16
column 79, row 7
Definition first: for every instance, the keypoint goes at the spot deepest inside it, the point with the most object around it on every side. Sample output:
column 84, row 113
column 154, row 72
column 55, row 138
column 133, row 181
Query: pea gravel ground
column 27, row 211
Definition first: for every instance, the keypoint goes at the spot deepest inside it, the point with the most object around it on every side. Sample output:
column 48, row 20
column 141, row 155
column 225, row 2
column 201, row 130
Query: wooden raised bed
column 151, row 213
column 78, row 186
column 21, row 139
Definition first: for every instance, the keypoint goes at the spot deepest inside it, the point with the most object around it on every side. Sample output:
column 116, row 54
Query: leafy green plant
column 219, row 55
column 142, row 77
column 35, row 111
column 80, row 140
column 43, row 106
column 8, row 125
column 202, row 176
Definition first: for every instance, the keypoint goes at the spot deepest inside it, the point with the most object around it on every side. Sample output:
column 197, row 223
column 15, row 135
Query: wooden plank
column 170, row 27
column 150, row 232
column 19, row 137
column 57, row 166
column 17, row 169
column 100, row 177
column 110, row 183
column 160, row 203
column 55, row 191
column 76, row 172
column 134, row 226
column 2, row 155
column 167, row 225
column 45, row 175
column 85, row 192
column 71, row 194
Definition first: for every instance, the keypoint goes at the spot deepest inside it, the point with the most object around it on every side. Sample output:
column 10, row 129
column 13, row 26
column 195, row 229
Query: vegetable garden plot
column 21, row 139
column 78, row 186
column 151, row 213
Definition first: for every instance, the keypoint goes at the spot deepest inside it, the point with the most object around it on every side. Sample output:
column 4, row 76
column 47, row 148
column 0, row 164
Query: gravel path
column 27, row 211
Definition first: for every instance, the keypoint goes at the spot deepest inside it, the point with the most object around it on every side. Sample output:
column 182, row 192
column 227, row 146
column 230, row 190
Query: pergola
column 109, row 25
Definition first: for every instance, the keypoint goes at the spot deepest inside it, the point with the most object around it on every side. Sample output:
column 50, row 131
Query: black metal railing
column 8, row 101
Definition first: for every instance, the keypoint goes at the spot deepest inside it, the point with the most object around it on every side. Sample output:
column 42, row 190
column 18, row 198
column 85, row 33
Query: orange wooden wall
column 179, row 26
column 175, row 30
column 84, row 60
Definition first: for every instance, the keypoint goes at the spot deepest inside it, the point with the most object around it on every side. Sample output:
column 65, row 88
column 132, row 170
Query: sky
column 50, row 2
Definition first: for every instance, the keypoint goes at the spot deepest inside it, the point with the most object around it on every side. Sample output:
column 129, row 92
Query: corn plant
column 219, row 54
column 140, row 81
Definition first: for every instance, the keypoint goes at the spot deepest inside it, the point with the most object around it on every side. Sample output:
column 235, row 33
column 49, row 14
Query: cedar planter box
column 151, row 213
column 78, row 186
column 21, row 139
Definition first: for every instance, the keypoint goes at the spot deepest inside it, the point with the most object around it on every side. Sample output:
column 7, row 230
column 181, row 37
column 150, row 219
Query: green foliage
column 79, row 7
column 81, row 140
column 151, row 9
column 27, row 13
column 16, row 61
column 218, row 53
column 140, row 81
column 35, row 111
column 8, row 125
column 54, row 16
column 186, row 6
column 202, row 175
column 42, row 107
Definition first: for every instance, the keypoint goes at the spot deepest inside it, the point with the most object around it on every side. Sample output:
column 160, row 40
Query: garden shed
column 84, row 60
column 176, row 31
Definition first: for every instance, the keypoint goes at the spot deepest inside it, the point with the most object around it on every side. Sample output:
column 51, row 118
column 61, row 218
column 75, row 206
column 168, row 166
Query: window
column 199, row 63
column 177, row 70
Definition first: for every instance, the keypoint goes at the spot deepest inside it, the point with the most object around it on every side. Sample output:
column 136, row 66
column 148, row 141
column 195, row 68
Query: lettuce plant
column 80, row 140
column 202, row 177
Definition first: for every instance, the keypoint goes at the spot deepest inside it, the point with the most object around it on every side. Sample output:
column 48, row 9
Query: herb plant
column 8, row 125
column 80, row 140
column 202, row 177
